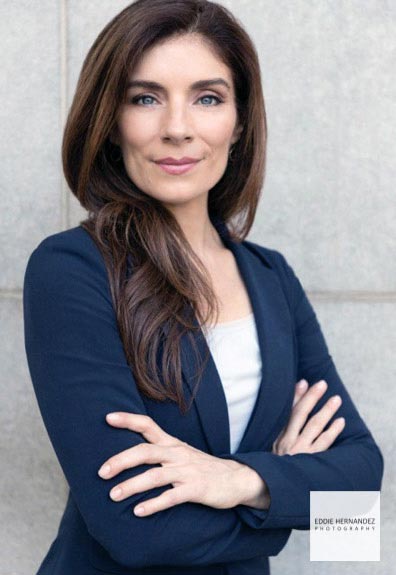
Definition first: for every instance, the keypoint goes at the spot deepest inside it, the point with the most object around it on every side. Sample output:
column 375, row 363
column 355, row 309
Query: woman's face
column 177, row 119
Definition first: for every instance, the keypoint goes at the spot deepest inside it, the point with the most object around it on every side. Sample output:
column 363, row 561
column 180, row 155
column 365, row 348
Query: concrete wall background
column 328, row 204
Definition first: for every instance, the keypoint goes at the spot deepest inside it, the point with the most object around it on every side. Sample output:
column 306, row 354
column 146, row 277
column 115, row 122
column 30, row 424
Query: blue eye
column 218, row 100
column 137, row 98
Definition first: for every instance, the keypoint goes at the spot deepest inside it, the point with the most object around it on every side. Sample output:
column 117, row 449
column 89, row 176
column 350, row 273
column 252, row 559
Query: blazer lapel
column 210, row 400
column 275, row 336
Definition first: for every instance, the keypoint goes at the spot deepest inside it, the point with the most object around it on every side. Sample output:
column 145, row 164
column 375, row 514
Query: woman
column 157, row 296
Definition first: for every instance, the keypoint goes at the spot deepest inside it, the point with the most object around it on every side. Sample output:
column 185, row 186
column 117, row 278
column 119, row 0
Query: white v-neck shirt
column 236, row 353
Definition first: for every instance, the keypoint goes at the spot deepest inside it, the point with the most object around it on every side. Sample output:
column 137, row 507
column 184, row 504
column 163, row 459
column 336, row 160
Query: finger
column 275, row 444
column 318, row 422
column 169, row 498
column 301, row 411
column 154, row 477
column 143, row 424
column 301, row 388
column 327, row 438
column 136, row 455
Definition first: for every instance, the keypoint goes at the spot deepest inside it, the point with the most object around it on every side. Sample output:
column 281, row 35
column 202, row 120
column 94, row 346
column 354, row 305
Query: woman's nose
column 177, row 122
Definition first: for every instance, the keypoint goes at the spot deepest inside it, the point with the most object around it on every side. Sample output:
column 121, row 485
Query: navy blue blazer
column 80, row 373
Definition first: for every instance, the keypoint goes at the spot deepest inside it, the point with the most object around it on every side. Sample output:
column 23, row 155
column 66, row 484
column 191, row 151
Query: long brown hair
column 156, row 304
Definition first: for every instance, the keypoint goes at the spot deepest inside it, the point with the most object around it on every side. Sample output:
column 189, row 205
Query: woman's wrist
column 254, row 490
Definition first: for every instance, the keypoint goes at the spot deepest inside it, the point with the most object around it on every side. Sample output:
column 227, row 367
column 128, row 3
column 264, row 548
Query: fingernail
column 113, row 416
column 104, row 470
column 301, row 384
column 322, row 384
column 116, row 492
column 138, row 510
column 336, row 399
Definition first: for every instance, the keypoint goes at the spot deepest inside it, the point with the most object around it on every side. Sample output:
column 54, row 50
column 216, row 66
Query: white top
column 236, row 353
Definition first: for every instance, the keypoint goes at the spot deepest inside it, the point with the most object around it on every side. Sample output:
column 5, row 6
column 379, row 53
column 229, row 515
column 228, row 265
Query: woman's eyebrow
column 148, row 84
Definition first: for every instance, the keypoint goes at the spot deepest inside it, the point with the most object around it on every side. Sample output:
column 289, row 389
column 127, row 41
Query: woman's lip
column 176, row 168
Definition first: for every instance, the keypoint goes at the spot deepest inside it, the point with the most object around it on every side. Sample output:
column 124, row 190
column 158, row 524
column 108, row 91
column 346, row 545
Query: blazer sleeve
column 353, row 463
column 80, row 373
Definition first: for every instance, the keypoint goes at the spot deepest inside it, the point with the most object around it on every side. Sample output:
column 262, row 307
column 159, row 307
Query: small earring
column 230, row 153
column 116, row 154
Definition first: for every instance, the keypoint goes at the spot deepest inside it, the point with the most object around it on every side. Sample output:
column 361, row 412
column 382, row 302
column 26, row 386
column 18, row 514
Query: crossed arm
column 202, row 478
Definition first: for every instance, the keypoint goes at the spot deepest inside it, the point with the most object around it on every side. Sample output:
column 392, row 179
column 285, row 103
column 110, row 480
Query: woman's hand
column 312, row 439
column 195, row 475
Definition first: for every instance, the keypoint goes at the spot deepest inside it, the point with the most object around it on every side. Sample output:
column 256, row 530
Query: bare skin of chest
column 230, row 290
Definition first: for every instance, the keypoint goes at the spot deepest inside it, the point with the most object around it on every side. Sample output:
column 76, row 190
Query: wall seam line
column 63, row 48
column 352, row 296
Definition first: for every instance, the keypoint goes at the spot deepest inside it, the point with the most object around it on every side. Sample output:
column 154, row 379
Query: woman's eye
column 136, row 99
column 209, row 96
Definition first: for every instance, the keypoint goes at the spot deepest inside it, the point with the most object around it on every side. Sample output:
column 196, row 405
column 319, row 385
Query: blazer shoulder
column 67, row 260
column 73, row 240
column 72, row 245
column 272, row 258
column 276, row 261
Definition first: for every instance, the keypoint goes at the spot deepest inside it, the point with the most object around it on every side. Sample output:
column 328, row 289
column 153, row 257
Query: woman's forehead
column 183, row 56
